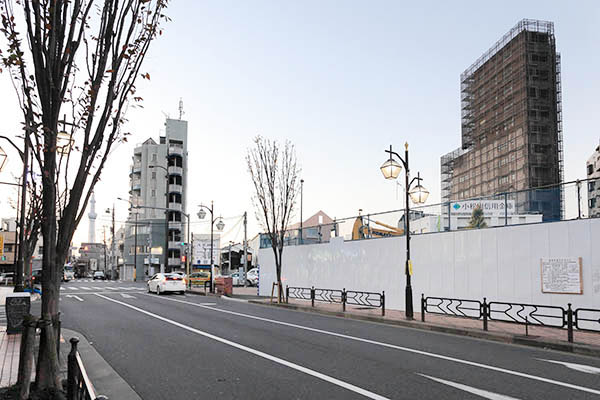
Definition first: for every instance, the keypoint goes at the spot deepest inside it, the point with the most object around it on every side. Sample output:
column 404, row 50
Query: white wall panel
column 501, row 264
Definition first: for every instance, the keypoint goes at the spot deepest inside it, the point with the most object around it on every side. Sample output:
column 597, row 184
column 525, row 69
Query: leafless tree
column 274, row 171
column 79, row 58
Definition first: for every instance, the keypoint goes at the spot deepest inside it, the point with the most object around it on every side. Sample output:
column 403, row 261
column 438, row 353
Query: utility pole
column 104, row 241
column 301, row 199
column 245, row 267
column 229, row 262
column 112, row 247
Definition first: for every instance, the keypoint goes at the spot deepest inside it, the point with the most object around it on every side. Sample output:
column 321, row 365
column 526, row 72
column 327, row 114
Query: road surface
column 196, row 347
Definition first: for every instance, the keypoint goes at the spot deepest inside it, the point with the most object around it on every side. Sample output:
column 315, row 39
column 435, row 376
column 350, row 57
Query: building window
column 153, row 174
column 153, row 193
column 592, row 203
column 503, row 180
column 590, row 169
column 154, row 157
column 591, row 186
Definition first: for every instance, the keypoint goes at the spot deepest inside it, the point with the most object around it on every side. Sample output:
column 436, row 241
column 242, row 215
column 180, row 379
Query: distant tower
column 92, row 225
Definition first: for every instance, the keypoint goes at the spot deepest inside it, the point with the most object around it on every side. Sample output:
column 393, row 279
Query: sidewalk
column 584, row 342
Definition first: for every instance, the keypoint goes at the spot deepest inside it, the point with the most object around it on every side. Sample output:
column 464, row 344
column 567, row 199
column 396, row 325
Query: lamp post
column 301, row 206
column 418, row 194
column 220, row 226
column 166, row 252
column 134, row 237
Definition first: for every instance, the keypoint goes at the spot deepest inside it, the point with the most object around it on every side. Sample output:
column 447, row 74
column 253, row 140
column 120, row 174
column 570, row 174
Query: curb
column 104, row 378
column 588, row 350
column 235, row 299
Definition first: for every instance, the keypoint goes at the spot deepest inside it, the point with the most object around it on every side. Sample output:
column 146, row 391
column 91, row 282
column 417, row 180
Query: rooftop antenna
column 180, row 108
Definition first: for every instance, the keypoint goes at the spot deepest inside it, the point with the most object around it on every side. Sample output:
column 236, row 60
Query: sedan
column 162, row 283
column 99, row 275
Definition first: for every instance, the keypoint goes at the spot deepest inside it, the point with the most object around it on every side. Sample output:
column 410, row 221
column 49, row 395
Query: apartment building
column 158, row 181
column 511, row 124
column 593, row 184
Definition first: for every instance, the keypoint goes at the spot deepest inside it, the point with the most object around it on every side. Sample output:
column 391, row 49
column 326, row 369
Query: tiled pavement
column 9, row 357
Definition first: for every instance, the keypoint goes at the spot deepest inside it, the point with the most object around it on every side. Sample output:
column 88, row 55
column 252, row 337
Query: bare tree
column 79, row 58
column 274, row 171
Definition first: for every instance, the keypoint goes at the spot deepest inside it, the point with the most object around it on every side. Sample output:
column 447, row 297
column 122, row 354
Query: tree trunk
column 47, row 371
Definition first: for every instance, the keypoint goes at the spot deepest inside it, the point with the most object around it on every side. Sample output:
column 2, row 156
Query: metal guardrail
column 582, row 319
column 344, row 297
column 79, row 386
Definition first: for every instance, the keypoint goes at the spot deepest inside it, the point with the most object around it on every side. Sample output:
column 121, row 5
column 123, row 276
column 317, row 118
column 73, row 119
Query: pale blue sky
column 341, row 80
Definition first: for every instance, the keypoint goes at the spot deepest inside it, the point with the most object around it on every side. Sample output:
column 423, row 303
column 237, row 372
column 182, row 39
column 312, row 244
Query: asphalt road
column 194, row 347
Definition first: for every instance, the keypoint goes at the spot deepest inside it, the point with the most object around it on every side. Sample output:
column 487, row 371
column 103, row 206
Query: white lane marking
column 71, row 288
column 62, row 288
column 84, row 288
column 97, row 288
column 76, row 297
column 479, row 392
column 127, row 296
column 393, row 346
column 259, row 353
column 588, row 369
column 111, row 288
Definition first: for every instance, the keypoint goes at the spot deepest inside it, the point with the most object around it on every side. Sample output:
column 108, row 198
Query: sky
column 342, row 80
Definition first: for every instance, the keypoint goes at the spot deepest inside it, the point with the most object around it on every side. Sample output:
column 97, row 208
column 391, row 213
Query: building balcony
column 175, row 225
column 175, row 188
column 175, row 171
column 175, row 151
column 175, row 245
column 174, row 262
column 176, row 206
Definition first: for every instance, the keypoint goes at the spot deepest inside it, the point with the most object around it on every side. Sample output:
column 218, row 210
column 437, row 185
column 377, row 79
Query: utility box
column 17, row 306
column 224, row 285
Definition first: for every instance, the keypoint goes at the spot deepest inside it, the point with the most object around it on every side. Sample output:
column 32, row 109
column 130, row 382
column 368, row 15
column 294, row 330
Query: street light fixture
column 418, row 194
column 220, row 226
column 3, row 158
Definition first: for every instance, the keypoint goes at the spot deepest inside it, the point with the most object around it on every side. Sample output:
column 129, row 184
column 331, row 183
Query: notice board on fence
column 562, row 275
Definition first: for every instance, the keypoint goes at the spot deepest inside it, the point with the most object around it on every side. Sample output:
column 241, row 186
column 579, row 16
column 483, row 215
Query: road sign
column 1, row 245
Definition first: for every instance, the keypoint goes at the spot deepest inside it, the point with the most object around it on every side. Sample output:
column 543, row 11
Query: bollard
column 423, row 307
column 526, row 326
column 383, row 303
column 344, row 299
column 312, row 296
column 570, row 324
column 485, row 314
column 287, row 294
column 72, row 370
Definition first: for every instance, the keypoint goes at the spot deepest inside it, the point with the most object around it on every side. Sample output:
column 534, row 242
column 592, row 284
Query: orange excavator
column 365, row 229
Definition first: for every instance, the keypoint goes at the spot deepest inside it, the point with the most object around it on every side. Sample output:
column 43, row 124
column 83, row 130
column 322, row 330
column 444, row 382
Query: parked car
column 252, row 277
column 7, row 277
column 199, row 278
column 36, row 277
column 162, row 283
column 99, row 275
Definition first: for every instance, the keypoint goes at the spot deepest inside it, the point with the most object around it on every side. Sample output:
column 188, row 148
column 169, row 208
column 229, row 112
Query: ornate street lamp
column 64, row 142
column 220, row 226
column 418, row 194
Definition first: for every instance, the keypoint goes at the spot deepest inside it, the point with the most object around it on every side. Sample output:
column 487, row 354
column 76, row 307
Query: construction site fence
column 572, row 200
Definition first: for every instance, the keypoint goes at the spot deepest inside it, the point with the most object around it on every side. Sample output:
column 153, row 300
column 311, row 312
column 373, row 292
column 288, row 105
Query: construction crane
column 362, row 230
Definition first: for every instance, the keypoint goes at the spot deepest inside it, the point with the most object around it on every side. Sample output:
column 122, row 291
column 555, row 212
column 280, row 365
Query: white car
column 7, row 277
column 252, row 277
column 162, row 283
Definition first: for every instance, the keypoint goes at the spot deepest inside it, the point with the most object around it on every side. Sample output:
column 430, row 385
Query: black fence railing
column 79, row 386
column 344, row 297
column 582, row 319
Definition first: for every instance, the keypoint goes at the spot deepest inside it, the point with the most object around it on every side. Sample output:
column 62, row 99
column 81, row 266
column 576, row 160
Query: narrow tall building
column 158, row 180
column 511, row 124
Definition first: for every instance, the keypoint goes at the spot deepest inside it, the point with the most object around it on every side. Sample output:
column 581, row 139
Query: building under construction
column 511, row 124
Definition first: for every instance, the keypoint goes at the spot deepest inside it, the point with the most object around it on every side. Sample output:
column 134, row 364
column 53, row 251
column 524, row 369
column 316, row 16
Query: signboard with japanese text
column 201, row 250
column 562, row 275
column 489, row 207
